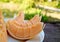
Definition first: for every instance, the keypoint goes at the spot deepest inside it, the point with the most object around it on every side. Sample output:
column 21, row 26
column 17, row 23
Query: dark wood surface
column 52, row 32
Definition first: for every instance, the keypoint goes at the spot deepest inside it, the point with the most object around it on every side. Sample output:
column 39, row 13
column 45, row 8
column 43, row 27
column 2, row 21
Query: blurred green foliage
column 4, row 0
column 58, row 6
column 29, row 8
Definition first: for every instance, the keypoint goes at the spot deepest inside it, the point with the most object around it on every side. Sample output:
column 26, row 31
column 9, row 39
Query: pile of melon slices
column 24, row 29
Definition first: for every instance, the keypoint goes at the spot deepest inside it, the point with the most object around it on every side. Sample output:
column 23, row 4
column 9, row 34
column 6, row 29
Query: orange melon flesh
column 20, row 17
column 24, row 30
column 3, row 33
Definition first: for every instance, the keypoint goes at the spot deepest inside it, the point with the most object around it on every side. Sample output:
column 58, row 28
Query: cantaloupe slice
column 26, row 29
column 3, row 33
column 20, row 17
